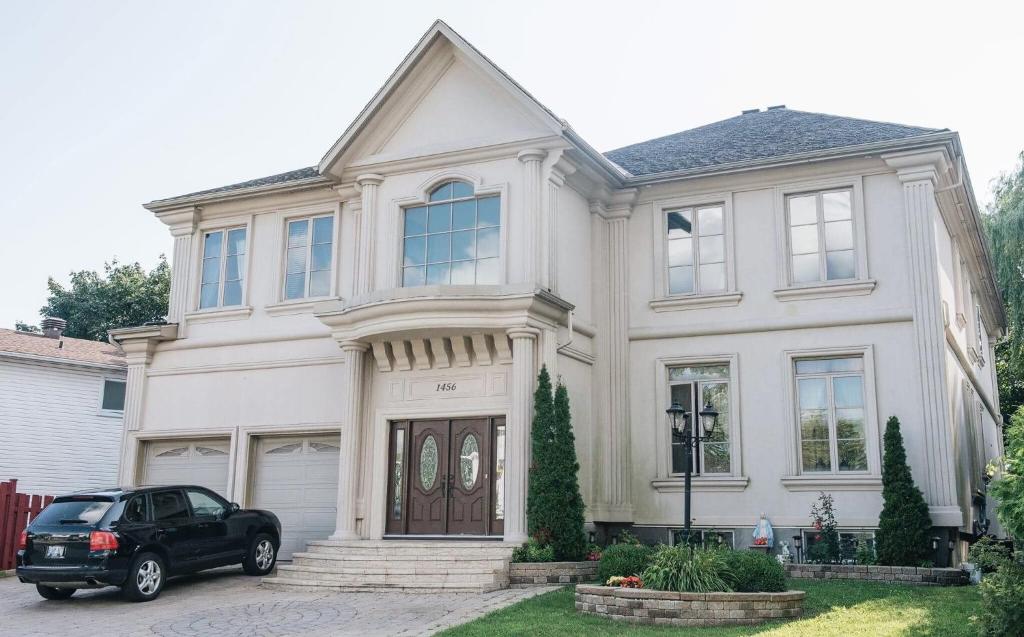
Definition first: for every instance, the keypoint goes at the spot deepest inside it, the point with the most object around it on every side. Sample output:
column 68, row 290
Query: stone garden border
column 643, row 606
column 893, row 574
column 543, row 573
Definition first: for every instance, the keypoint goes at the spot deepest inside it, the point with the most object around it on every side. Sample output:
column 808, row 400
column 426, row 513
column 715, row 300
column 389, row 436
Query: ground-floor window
column 693, row 386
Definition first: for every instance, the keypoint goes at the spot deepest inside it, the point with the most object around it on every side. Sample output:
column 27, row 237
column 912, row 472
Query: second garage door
column 297, row 479
column 199, row 462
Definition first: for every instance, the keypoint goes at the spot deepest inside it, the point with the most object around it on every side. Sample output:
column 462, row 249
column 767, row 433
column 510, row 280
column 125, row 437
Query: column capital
column 523, row 332
column 532, row 154
column 181, row 221
column 354, row 346
column 369, row 179
column 926, row 165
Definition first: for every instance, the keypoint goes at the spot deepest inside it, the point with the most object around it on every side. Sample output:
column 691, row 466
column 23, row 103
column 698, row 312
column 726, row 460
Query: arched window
column 453, row 240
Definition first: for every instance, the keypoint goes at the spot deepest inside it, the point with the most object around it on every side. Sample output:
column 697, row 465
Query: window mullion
column 221, row 284
column 695, row 238
column 309, row 256
column 833, row 430
column 822, row 260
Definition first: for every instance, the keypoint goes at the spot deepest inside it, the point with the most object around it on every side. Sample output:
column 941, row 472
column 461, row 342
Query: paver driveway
column 227, row 603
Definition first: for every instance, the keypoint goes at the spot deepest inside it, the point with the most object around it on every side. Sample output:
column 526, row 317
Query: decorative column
column 560, row 170
column 182, row 224
column 919, row 173
column 351, row 428
column 517, row 439
column 532, row 226
column 368, row 185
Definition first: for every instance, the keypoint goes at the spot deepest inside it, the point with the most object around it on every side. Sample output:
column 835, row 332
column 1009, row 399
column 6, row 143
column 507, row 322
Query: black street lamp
column 708, row 420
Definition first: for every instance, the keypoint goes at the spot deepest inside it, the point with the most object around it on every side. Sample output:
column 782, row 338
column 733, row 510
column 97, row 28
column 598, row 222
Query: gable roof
column 73, row 350
column 769, row 134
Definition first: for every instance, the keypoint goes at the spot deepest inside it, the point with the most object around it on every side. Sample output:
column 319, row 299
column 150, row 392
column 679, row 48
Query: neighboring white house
column 354, row 345
column 61, row 410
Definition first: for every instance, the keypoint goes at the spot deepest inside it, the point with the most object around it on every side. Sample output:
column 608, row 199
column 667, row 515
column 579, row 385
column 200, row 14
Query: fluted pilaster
column 533, row 224
column 351, row 434
column 517, row 438
column 617, row 477
column 368, row 185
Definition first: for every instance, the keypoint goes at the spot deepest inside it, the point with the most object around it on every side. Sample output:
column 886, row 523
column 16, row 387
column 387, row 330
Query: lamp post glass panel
column 681, row 423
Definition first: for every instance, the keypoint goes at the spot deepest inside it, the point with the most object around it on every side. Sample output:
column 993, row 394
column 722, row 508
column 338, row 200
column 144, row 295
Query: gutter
column 54, row 360
column 160, row 205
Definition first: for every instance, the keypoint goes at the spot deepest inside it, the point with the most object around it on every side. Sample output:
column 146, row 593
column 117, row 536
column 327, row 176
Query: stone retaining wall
column 538, row 573
column 899, row 574
column 643, row 606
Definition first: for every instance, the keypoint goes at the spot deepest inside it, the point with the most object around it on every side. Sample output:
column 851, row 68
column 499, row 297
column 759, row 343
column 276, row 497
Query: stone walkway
column 227, row 603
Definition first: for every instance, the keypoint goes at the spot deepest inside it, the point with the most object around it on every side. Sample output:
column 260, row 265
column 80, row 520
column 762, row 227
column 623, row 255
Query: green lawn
column 850, row 609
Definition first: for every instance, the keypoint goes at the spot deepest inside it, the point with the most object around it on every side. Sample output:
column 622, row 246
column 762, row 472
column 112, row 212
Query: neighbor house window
column 830, row 394
column 454, row 239
column 308, row 257
column 693, row 387
column 821, row 239
column 113, row 395
column 696, row 249
column 223, row 271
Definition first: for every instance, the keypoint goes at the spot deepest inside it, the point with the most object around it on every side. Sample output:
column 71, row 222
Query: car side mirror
column 235, row 508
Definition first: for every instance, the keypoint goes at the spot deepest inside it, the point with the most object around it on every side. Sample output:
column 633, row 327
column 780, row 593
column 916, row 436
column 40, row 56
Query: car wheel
column 49, row 592
column 261, row 556
column 146, row 578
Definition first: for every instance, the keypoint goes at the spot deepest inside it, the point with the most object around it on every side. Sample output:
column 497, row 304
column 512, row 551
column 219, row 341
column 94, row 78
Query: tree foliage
column 1008, row 490
column 554, row 504
column 1004, row 225
column 904, row 524
column 125, row 295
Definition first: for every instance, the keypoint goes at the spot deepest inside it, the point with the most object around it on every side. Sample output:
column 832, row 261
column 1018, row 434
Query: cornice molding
column 181, row 221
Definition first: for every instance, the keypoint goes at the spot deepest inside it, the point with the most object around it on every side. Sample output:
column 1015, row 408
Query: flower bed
column 898, row 574
column 539, row 573
column 644, row 606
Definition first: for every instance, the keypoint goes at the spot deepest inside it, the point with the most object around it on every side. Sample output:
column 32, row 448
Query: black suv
column 136, row 538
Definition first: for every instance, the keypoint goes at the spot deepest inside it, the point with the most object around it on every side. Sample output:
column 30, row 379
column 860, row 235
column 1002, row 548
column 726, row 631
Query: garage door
column 297, row 479
column 200, row 462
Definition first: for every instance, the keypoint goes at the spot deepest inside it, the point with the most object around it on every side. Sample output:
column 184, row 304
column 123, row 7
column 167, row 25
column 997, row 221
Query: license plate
column 55, row 552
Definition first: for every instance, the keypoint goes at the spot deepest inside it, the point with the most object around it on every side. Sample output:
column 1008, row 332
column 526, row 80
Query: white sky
column 106, row 105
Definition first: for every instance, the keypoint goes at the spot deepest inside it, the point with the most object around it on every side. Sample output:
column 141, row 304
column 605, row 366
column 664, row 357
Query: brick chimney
column 53, row 327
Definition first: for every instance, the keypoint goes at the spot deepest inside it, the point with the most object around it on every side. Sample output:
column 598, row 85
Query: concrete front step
column 397, row 566
column 419, row 579
column 299, row 584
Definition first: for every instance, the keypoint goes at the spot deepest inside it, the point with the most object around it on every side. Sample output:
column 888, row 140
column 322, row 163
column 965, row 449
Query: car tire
column 146, row 578
column 261, row 556
column 49, row 592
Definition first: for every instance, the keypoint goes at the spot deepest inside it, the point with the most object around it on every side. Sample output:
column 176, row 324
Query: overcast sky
column 106, row 105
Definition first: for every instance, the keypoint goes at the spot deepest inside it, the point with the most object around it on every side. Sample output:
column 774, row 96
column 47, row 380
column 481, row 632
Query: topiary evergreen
column 904, row 525
column 539, row 508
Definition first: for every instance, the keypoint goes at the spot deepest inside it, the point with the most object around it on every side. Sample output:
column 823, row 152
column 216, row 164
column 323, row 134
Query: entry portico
column 477, row 344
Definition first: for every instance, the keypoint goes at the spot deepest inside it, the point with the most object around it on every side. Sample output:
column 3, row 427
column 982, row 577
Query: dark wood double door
column 446, row 477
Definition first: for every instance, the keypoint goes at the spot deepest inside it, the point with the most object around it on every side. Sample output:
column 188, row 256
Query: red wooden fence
column 16, row 511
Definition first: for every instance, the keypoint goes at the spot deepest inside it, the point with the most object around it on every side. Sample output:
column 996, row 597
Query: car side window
column 169, row 505
column 136, row 510
column 204, row 505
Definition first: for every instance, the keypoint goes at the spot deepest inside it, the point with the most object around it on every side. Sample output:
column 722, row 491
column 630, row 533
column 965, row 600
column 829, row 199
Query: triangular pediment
column 444, row 97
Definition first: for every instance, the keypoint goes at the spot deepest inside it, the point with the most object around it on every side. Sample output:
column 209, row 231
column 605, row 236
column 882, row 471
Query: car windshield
column 74, row 511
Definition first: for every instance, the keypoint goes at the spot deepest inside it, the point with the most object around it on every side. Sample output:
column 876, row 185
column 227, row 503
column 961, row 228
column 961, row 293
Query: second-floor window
column 821, row 239
column 308, row 257
column 454, row 239
column 223, row 269
column 696, row 250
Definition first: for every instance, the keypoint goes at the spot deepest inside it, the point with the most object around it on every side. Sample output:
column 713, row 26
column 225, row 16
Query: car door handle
column 169, row 530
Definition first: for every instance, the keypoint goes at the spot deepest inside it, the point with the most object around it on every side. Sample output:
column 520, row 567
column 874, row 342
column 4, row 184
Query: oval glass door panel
column 428, row 463
column 469, row 462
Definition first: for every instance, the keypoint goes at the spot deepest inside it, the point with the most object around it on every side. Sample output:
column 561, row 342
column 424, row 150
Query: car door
column 214, row 541
column 175, row 529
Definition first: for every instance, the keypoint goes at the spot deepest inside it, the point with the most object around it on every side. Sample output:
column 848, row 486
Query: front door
column 441, row 480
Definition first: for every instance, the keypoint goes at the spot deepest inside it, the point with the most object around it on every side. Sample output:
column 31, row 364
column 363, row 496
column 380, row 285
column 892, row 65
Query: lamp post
column 681, row 423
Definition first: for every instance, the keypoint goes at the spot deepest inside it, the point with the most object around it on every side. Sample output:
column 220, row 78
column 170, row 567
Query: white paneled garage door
column 200, row 462
column 297, row 479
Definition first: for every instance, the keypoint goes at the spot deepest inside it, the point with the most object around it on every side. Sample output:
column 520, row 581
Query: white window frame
column 662, row 426
column 797, row 480
column 219, row 312
column 395, row 226
column 696, row 404
column 664, row 301
column 861, row 283
column 113, row 413
column 293, row 217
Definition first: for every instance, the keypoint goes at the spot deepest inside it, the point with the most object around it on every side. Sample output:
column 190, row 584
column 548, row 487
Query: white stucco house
column 61, row 406
column 355, row 344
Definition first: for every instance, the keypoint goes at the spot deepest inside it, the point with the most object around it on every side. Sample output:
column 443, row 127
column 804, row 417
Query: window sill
column 827, row 290
column 860, row 482
column 296, row 306
column 110, row 413
column 695, row 302
column 219, row 314
column 701, row 483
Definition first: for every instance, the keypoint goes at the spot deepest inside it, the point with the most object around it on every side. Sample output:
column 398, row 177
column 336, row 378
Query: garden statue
column 784, row 555
column 763, row 535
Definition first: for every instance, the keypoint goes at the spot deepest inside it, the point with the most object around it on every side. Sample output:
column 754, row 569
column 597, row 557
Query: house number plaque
column 459, row 387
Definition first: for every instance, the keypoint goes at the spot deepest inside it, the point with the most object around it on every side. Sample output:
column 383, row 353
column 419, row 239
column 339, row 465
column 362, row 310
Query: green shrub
column 1008, row 489
column 904, row 525
column 533, row 551
column 865, row 554
column 988, row 555
column 754, row 572
column 825, row 548
column 686, row 570
column 623, row 560
column 1002, row 602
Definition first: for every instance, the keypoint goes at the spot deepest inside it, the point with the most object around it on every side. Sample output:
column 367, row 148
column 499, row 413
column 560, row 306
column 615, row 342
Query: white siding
column 54, row 438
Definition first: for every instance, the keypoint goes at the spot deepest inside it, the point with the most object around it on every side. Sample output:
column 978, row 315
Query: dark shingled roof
column 281, row 178
column 773, row 133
